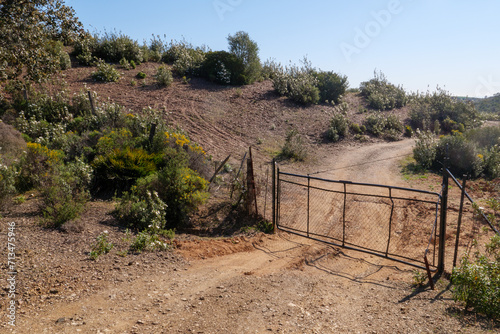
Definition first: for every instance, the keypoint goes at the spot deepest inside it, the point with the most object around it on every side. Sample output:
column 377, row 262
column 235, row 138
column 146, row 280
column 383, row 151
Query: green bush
column 163, row 76
column 381, row 94
column 105, row 72
column 7, row 183
column 147, row 241
column 125, row 64
column 298, row 83
column 332, row 86
column 492, row 162
column 141, row 75
column 141, row 211
column 112, row 47
column 64, row 60
column 294, row 147
column 63, row 197
column 464, row 158
column 424, row 151
column 476, row 282
column 181, row 188
column 449, row 112
column 356, row 128
column 339, row 127
column 375, row 124
column 101, row 246
column 118, row 170
column 485, row 137
column 223, row 68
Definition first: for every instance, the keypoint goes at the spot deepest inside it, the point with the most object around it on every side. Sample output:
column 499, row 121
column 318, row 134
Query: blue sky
column 453, row 44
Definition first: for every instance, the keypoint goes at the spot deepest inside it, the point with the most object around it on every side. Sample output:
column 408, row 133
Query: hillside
column 223, row 119
column 489, row 104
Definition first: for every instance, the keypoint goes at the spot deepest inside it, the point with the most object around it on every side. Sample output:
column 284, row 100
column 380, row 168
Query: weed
column 20, row 199
column 101, row 246
column 141, row 75
column 294, row 146
column 419, row 278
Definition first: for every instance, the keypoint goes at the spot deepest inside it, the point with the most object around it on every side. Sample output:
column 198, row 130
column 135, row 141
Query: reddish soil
column 243, row 283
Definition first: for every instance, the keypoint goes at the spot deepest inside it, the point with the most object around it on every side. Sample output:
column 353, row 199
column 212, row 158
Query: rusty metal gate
column 392, row 222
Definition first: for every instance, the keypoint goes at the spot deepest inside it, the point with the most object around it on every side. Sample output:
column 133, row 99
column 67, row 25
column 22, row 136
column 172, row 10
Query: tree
column 247, row 52
column 28, row 31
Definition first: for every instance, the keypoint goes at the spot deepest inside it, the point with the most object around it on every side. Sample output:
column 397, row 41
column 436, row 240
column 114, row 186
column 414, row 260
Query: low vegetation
column 475, row 152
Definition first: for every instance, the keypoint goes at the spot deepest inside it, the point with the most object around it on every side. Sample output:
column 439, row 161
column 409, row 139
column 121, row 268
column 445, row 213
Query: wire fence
column 392, row 222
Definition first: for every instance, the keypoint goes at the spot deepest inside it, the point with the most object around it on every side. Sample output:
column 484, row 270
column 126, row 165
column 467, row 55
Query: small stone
column 60, row 320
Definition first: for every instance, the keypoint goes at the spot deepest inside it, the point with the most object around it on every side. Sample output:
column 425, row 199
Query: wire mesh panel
column 397, row 223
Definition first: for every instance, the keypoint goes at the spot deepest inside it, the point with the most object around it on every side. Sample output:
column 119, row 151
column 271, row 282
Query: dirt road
column 276, row 284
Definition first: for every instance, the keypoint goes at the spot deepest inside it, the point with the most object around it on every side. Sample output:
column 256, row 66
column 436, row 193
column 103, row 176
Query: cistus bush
column 141, row 211
column 305, row 84
column 441, row 111
column 424, row 151
column 339, row 127
column 294, row 147
column 179, row 187
column 381, row 94
column 476, row 281
column 163, row 76
column 464, row 157
column 105, row 72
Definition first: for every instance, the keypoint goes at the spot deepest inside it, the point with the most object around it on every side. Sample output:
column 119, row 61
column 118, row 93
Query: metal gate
column 392, row 222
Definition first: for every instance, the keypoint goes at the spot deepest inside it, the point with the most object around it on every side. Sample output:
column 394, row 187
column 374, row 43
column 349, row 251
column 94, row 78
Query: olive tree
column 28, row 31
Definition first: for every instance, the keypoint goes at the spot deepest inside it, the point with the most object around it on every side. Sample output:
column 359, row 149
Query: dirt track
column 266, row 284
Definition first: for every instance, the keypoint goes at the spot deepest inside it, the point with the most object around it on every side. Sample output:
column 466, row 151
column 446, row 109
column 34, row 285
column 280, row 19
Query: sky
column 421, row 45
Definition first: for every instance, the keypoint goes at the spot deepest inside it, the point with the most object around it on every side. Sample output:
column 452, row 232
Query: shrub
column 112, row 47
column 223, row 68
column 449, row 112
column 339, row 127
column 101, row 246
column 331, row 86
column 189, row 61
column 298, row 83
column 485, row 137
column 492, row 162
column 425, row 149
column 247, row 52
column 7, row 183
column 476, row 282
column 408, row 131
column 141, row 75
column 381, row 94
column 181, row 188
column 105, row 72
column 164, row 76
column 64, row 60
column 294, row 146
column 375, row 124
column 147, row 241
column 463, row 156
column 125, row 64
column 356, row 128
column 119, row 169
column 38, row 164
column 141, row 211
column 63, row 197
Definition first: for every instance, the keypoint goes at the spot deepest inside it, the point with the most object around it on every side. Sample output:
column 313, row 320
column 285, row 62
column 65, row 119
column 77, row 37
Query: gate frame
column 442, row 202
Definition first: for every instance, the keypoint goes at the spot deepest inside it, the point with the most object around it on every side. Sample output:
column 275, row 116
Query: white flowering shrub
column 163, row 76
column 7, row 183
column 141, row 211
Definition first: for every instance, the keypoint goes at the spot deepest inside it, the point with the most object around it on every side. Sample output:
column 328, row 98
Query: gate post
column 442, row 221
column 275, row 229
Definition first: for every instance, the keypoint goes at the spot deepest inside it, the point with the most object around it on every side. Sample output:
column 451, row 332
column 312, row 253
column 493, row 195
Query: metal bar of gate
column 390, row 222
